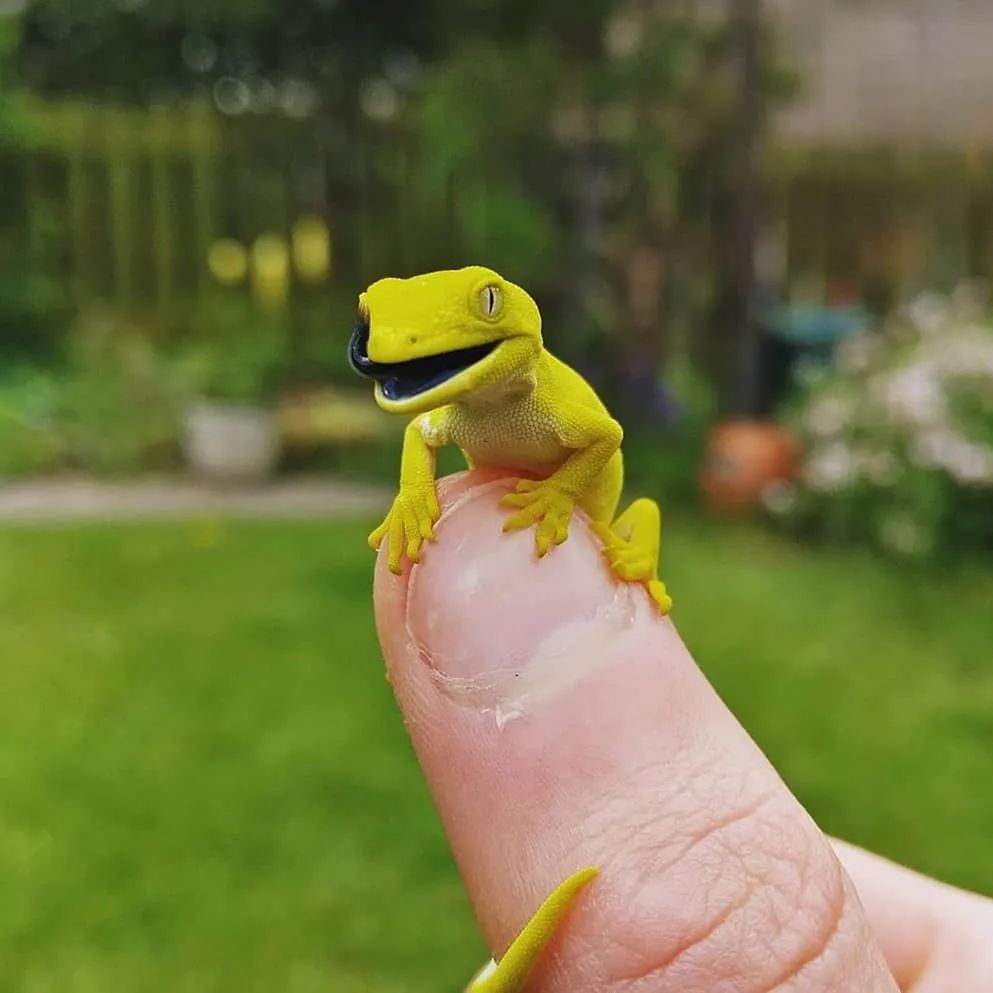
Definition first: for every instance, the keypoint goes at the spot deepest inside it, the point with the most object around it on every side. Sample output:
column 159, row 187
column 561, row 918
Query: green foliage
column 86, row 46
column 898, row 437
column 571, row 154
column 480, row 119
column 32, row 299
column 10, row 121
column 240, row 353
column 322, row 323
column 33, row 306
column 207, row 784
column 30, row 442
column 120, row 405
column 111, row 406
column 663, row 461
column 563, row 144
column 509, row 231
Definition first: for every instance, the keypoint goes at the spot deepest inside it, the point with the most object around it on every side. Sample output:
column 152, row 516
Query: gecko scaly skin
column 461, row 351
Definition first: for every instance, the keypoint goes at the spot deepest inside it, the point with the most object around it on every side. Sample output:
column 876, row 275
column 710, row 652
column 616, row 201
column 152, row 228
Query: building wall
column 890, row 71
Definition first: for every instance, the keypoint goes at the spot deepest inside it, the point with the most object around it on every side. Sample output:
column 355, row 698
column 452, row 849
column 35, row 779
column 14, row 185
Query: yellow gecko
column 462, row 351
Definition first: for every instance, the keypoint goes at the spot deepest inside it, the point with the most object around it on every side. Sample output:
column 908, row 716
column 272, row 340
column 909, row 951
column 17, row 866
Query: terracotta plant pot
column 743, row 458
column 231, row 443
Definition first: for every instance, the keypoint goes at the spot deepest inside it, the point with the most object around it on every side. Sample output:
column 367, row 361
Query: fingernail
column 500, row 627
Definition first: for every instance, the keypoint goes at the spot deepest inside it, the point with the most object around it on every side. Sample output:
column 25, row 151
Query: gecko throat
column 402, row 380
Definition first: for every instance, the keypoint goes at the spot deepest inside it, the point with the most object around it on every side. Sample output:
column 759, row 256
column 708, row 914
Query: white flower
column 828, row 416
column 929, row 449
column 970, row 298
column 928, row 312
column 965, row 461
column 623, row 35
column 778, row 497
column 379, row 99
column 881, row 468
column 967, row 354
column 857, row 353
column 913, row 395
column 969, row 464
column 831, row 469
column 904, row 534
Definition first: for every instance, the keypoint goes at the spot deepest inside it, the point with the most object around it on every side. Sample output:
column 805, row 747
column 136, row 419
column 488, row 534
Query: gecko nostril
column 412, row 339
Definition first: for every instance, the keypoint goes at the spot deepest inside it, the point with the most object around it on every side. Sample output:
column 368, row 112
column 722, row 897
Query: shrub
column 239, row 352
column 111, row 406
column 30, row 442
column 898, row 435
column 119, row 402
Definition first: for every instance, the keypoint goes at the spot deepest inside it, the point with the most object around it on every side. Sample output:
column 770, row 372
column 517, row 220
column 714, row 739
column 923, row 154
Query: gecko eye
column 490, row 300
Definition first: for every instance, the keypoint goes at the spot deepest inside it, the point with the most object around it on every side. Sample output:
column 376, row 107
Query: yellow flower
column 312, row 249
column 270, row 271
column 227, row 261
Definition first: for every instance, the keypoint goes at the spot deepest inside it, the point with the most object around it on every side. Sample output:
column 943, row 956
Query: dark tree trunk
column 745, row 386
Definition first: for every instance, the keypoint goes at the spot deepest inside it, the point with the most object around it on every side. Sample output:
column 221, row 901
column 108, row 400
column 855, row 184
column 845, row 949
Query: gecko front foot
column 409, row 523
column 543, row 504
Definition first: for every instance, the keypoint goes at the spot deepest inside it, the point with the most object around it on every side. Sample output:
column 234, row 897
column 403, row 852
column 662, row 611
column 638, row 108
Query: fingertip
column 558, row 723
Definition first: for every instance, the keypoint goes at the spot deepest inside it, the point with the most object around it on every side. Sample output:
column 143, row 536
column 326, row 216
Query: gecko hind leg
column 631, row 545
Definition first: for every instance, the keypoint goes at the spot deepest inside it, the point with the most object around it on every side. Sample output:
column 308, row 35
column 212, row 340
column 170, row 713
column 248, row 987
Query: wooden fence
column 129, row 201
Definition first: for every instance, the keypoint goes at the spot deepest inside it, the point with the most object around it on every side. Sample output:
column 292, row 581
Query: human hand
column 561, row 723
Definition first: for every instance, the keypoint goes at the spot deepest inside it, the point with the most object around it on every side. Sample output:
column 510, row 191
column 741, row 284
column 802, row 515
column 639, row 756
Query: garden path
column 77, row 498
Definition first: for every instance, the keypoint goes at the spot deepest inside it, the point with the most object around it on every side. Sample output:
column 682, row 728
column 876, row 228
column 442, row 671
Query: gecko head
column 456, row 334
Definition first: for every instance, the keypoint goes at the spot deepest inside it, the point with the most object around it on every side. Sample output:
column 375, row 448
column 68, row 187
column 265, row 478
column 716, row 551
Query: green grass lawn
column 204, row 785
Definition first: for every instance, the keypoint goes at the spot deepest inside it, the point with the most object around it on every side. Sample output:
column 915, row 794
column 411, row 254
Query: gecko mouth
column 403, row 380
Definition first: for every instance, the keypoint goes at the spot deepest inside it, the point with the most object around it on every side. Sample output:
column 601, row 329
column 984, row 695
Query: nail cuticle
column 569, row 654
column 501, row 632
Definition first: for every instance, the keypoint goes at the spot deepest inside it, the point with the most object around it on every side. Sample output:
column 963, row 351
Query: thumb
column 561, row 724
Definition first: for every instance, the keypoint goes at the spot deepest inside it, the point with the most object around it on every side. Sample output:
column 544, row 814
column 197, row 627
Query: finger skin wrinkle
column 641, row 850
column 715, row 829
column 656, row 972
column 821, row 947
column 755, row 902
column 687, row 808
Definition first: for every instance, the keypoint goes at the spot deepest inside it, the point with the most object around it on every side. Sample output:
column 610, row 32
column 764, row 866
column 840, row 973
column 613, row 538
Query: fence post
column 161, row 130
column 121, row 157
column 77, row 192
column 202, row 145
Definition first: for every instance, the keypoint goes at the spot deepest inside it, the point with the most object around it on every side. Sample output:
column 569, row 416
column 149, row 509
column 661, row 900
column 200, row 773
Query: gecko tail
column 510, row 973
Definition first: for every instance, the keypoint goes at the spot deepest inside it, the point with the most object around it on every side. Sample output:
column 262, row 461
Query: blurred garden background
column 763, row 230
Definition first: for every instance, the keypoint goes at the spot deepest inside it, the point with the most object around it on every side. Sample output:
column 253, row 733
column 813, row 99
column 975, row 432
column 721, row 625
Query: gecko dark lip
column 403, row 380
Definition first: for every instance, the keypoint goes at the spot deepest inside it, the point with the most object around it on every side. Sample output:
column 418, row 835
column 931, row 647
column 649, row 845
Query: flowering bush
column 898, row 435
